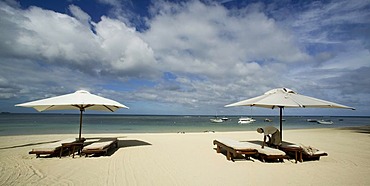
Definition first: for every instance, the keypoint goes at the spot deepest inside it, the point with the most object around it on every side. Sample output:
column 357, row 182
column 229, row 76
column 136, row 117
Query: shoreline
column 364, row 127
column 184, row 115
column 189, row 159
column 96, row 124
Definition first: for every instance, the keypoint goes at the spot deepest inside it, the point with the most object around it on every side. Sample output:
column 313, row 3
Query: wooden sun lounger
column 301, row 152
column 99, row 147
column 234, row 148
column 315, row 156
column 312, row 156
column 53, row 149
column 270, row 154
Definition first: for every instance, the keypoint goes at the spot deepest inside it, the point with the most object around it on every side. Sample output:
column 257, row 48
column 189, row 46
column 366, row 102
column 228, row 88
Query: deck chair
column 301, row 152
column 99, row 147
column 51, row 149
column 234, row 148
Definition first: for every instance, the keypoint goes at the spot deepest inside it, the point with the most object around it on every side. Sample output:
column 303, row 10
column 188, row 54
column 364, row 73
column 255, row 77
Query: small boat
column 246, row 120
column 325, row 122
column 216, row 120
column 225, row 118
column 268, row 120
column 312, row 120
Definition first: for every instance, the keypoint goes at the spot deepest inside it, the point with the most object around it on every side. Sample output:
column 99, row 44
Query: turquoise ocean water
column 24, row 124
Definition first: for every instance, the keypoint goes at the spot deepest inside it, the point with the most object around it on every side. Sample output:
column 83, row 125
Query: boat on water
column 216, row 120
column 268, row 120
column 325, row 122
column 246, row 120
column 225, row 118
column 311, row 120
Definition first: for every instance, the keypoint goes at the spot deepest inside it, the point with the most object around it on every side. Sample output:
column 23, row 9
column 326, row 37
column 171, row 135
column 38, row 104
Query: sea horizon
column 66, row 123
column 192, row 115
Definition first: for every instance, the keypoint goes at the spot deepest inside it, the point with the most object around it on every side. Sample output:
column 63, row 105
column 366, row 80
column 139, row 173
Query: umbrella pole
column 79, row 136
column 281, row 123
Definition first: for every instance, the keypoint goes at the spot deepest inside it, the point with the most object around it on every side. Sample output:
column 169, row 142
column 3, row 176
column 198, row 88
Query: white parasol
column 286, row 98
column 80, row 100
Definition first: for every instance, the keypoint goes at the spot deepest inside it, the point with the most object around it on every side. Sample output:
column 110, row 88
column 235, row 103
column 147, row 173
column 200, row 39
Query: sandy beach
column 188, row 159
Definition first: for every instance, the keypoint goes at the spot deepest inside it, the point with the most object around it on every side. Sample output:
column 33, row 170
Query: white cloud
column 64, row 39
column 124, row 51
column 67, row 41
column 215, row 55
column 329, row 22
column 80, row 15
column 201, row 39
column 228, row 52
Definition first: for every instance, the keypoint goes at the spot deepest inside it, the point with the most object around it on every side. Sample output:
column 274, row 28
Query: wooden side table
column 72, row 148
column 293, row 149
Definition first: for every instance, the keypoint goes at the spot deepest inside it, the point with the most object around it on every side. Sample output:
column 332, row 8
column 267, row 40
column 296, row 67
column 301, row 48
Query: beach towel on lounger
column 309, row 150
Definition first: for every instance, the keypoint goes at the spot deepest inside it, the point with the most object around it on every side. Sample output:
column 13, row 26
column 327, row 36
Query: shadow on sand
column 362, row 129
column 120, row 144
column 127, row 144
column 28, row 144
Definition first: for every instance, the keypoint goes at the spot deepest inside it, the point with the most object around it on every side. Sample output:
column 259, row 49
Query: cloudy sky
column 186, row 57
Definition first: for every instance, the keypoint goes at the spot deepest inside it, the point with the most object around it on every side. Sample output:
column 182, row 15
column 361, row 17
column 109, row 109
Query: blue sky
column 186, row 57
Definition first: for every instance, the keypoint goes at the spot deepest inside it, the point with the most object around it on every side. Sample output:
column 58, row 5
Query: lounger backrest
column 305, row 149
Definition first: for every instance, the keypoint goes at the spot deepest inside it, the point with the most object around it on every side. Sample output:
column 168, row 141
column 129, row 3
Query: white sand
column 188, row 159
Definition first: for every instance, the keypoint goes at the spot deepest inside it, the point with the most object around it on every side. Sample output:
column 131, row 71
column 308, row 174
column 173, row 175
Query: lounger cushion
column 308, row 150
column 320, row 152
column 98, row 145
column 247, row 145
column 53, row 146
column 270, row 151
column 312, row 151
column 236, row 144
column 290, row 145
